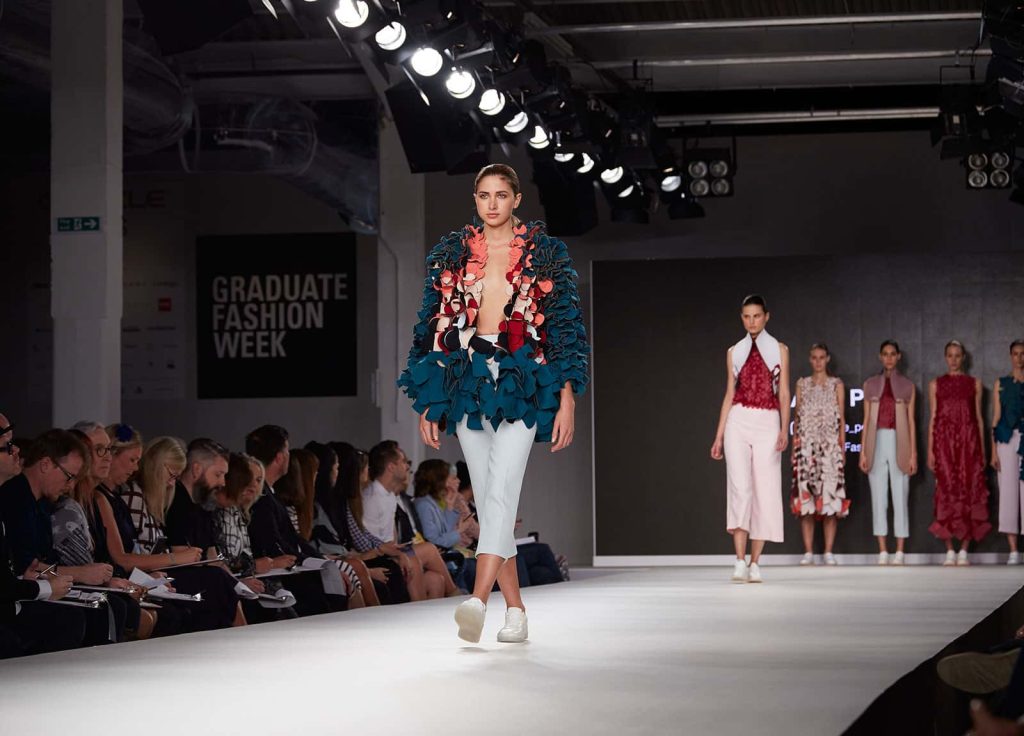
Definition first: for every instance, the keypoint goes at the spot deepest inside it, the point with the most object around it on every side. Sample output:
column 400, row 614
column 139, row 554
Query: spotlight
column 518, row 123
column 564, row 158
column 697, row 169
column 540, row 138
column 699, row 187
column 627, row 191
column 269, row 5
column 391, row 37
column 987, row 169
column 352, row 13
column 426, row 61
column 492, row 102
column 460, row 84
column 611, row 176
column 671, row 183
column 720, row 187
column 709, row 171
column 718, row 168
column 586, row 166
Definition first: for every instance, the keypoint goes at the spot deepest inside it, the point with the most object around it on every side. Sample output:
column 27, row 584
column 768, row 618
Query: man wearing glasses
column 50, row 467
column 10, row 459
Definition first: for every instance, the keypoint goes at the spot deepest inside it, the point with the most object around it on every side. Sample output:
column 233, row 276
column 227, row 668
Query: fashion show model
column 753, row 431
column 956, row 454
column 498, row 355
column 1007, row 422
column 819, row 454
column 889, row 450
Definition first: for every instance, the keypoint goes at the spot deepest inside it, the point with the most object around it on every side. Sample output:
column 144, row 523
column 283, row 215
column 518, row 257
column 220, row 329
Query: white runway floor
column 646, row 651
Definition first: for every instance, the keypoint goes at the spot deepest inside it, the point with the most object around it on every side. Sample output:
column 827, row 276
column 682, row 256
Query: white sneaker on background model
column 950, row 558
column 1013, row 559
column 961, row 558
column 899, row 559
column 469, row 615
column 807, row 559
column 830, row 559
column 514, row 630
column 883, row 558
column 754, row 575
column 740, row 572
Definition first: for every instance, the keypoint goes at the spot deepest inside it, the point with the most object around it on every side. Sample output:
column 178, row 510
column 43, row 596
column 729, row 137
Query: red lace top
column 887, row 408
column 755, row 385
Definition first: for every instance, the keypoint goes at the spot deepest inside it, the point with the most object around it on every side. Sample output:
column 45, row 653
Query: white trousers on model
column 753, row 473
column 885, row 471
column 496, row 459
column 1011, row 487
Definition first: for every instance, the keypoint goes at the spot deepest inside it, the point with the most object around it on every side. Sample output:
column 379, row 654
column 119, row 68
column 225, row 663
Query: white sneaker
column 1013, row 559
column 961, row 558
column 950, row 558
column 740, row 572
column 883, row 558
column 514, row 630
column 899, row 559
column 830, row 559
column 469, row 615
column 755, row 573
column 807, row 559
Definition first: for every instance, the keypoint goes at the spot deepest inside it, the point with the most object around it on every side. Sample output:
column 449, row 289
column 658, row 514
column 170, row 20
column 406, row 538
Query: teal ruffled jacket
column 450, row 381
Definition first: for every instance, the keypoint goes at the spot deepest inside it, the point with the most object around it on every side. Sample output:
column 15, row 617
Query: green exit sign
column 78, row 224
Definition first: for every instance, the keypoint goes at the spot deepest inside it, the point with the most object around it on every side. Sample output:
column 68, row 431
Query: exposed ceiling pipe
column 710, row 61
column 754, row 23
column 796, row 116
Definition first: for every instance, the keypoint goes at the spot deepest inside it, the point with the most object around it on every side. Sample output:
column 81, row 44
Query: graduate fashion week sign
column 276, row 316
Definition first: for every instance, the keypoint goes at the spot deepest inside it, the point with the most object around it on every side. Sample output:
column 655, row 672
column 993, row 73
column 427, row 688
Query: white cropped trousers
column 885, row 473
column 496, row 459
column 1011, row 487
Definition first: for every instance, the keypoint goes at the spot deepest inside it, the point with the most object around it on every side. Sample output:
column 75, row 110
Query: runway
column 643, row 651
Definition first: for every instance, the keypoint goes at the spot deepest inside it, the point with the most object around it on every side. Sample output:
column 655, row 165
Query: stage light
column 718, row 168
column 697, row 169
column 987, row 168
column 627, row 191
column 671, row 183
column 269, row 5
column 699, row 187
column 426, row 61
column 518, row 123
column 391, row 37
column 460, row 84
column 720, row 187
column 540, row 138
column 611, row 176
column 492, row 102
column 564, row 158
column 586, row 166
column 352, row 13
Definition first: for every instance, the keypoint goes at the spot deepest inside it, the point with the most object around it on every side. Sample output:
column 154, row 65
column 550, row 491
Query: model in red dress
column 956, row 454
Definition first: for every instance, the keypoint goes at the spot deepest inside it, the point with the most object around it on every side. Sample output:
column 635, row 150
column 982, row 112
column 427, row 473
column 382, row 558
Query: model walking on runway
column 819, row 454
column 1007, row 422
column 889, row 450
column 956, row 454
column 753, row 431
column 498, row 355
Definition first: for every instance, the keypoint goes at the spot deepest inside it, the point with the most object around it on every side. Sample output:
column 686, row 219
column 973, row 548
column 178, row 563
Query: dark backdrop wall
column 661, row 330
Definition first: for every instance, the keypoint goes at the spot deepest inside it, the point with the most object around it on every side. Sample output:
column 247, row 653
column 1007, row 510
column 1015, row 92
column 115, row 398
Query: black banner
column 276, row 316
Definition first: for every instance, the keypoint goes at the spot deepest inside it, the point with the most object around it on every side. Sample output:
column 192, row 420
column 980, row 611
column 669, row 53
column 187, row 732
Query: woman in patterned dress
column 819, row 453
column 956, row 454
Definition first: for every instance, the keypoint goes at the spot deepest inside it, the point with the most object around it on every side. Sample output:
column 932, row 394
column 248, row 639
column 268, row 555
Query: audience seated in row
column 245, row 537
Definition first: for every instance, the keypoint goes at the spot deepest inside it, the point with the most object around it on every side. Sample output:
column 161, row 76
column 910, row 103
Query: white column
column 400, row 273
column 86, row 182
